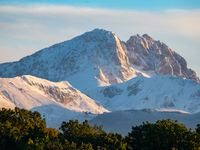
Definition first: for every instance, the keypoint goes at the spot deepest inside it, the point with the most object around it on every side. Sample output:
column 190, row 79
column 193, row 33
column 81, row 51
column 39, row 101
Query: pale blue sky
column 27, row 26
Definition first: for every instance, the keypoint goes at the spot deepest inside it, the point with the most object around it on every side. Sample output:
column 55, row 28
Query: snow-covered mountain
column 96, row 72
column 57, row 101
column 159, row 92
column 29, row 92
column 100, row 58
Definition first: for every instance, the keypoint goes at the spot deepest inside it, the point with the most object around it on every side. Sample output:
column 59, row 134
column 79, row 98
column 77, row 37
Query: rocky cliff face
column 100, row 56
column 156, row 56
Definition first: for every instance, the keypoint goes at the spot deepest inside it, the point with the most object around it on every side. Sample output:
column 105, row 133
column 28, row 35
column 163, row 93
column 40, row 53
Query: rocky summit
column 100, row 58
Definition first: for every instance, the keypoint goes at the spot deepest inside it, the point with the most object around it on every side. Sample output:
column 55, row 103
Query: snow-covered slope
column 5, row 100
column 57, row 101
column 156, row 92
column 56, row 114
column 100, row 58
column 29, row 92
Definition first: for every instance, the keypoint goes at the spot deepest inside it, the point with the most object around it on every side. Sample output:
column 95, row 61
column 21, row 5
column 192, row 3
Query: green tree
column 164, row 134
column 198, row 128
column 85, row 134
column 20, row 128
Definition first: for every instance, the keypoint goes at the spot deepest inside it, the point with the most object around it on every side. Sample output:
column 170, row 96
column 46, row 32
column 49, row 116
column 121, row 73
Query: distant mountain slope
column 29, row 92
column 100, row 58
column 56, row 114
column 5, row 101
column 156, row 92
column 122, row 121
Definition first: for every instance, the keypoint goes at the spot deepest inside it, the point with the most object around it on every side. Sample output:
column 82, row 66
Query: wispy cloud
column 52, row 24
column 40, row 21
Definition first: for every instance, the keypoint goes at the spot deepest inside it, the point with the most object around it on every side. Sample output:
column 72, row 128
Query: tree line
column 21, row 129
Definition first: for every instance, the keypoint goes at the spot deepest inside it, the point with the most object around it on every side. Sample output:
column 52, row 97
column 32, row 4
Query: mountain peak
column 98, row 35
column 147, row 37
column 99, row 58
column 99, row 30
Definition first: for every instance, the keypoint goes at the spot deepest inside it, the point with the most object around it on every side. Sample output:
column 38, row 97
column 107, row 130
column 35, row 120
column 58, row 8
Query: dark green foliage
column 198, row 128
column 85, row 134
column 21, row 129
column 164, row 134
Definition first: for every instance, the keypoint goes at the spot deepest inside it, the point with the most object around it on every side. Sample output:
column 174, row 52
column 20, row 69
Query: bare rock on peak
column 149, row 54
column 101, row 58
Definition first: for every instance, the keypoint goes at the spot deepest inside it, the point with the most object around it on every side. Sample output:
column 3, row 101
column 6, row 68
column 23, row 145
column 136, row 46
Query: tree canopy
column 164, row 134
column 21, row 129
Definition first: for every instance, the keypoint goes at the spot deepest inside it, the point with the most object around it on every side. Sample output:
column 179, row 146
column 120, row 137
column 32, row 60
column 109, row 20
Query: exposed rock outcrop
column 101, row 53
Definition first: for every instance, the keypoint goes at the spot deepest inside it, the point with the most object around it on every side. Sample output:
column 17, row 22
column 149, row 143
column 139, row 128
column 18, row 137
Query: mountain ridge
column 96, row 72
column 158, row 92
column 124, row 120
column 28, row 92
column 108, row 59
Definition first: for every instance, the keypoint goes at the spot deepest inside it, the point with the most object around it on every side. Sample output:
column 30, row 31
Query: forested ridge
column 21, row 129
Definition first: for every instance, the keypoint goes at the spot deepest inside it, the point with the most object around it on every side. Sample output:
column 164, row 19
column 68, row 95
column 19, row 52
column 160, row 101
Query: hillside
column 157, row 92
column 58, row 101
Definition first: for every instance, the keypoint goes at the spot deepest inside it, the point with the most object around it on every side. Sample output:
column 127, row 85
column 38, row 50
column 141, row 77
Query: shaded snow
column 122, row 121
column 159, row 92
column 44, row 96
